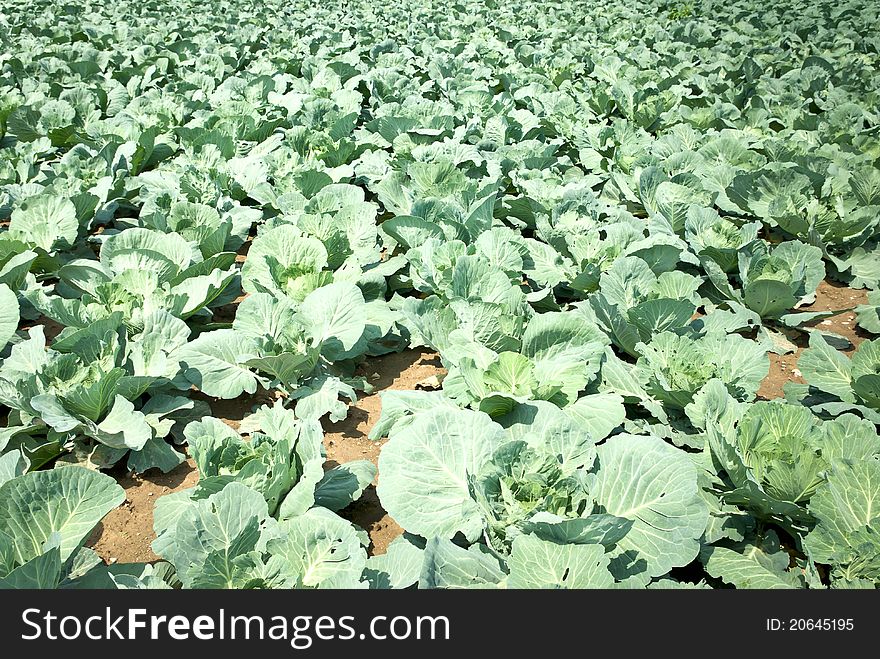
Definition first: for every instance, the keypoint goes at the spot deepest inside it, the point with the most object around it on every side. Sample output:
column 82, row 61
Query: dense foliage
column 602, row 215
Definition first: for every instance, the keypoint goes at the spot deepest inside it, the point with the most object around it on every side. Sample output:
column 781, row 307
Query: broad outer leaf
column 848, row 512
column 344, row 484
column 45, row 221
column 398, row 567
column 42, row 572
column 598, row 413
column 746, row 570
column 769, row 298
column 201, row 527
column 320, row 550
column 655, row 485
column 825, row 368
column 425, row 468
column 9, row 314
column 595, row 529
column 446, row 565
column 212, row 363
column 68, row 501
column 337, row 316
column 536, row 563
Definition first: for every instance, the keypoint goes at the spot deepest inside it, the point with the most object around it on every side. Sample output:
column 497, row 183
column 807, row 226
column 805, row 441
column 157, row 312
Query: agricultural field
column 479, row 294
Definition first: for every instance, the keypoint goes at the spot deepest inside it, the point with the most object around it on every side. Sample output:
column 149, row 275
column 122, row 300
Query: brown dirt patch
column 829, row 296
column 232, row 411
column 51, row 329
column 348, row 439
column 125, row 534
column 782, row 370
column 832, row 295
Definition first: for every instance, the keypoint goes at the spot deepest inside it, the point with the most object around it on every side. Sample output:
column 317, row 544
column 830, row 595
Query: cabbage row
column 602, row 217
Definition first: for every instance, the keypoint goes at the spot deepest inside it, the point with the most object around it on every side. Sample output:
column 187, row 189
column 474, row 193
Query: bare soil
column 125, row 534
column 348, row 439
column 234, row 410
column 829, row 296
column 51, row 329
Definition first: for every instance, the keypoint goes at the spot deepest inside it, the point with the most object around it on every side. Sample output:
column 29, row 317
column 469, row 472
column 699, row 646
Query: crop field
column 478, row 294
